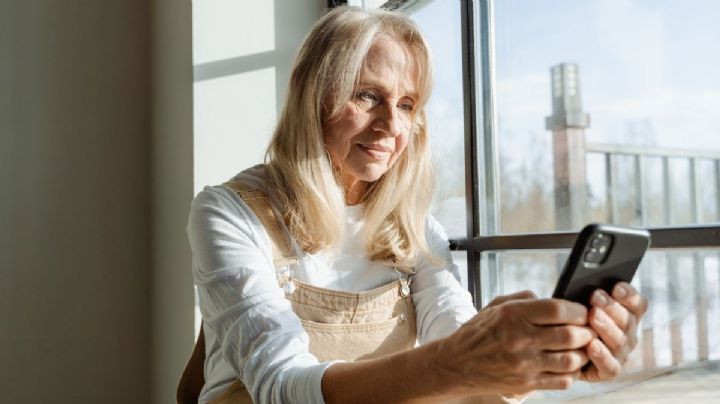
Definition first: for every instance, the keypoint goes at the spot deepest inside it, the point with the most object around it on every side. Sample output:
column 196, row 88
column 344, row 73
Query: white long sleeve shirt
column 250, row 329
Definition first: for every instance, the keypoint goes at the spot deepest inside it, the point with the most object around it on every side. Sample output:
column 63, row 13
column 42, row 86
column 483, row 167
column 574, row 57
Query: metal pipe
column 626, row 149
column 698, row 266
column 610, row 188
column 641, row 215
column 645, row 273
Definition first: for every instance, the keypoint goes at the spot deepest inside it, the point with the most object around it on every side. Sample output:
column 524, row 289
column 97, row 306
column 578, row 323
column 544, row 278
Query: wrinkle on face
column 372, row 129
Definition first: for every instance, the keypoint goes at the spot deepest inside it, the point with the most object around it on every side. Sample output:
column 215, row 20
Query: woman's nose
column 389, row 120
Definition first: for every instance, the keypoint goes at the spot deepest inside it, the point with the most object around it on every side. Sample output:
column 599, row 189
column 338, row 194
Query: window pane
column 440, row 22
column 607, row 111
column 680, row 328
column 460, row 259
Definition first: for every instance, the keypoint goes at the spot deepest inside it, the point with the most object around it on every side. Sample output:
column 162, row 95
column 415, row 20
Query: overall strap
column 259, row 203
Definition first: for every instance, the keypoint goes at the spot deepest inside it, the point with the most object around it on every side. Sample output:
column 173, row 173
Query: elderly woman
column 322, row 277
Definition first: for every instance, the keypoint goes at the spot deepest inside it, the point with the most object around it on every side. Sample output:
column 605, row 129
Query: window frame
column 478, row 38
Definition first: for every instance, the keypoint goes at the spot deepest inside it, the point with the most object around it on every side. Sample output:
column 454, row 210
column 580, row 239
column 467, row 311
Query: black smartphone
column 602, row 256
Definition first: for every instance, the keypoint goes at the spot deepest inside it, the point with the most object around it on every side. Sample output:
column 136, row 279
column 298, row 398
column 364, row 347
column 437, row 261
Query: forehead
column 392, row 63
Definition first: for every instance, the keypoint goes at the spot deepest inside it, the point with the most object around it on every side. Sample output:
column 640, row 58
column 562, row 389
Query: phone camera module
column 599, row 248
column 593, row 257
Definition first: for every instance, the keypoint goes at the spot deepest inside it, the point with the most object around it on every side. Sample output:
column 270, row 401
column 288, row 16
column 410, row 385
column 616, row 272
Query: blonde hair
column 323, row 80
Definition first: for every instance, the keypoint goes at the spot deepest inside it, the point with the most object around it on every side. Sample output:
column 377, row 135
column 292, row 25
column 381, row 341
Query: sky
column 649, row 65
column 645, row 65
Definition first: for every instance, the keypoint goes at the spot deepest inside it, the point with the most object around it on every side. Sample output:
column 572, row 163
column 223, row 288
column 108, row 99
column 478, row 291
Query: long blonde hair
column 311, row 199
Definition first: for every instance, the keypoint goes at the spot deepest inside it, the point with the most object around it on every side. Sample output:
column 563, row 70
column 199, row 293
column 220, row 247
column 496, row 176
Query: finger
column 619, row 314
column 619, row 341
column 552, row 311
column 604, row 365
column 563, row 362
column 563, row 337
column 554, row 381
column 525, row 294
column 629, row 297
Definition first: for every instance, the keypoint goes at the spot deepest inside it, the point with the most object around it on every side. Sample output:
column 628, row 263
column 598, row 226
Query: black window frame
column 477, row 25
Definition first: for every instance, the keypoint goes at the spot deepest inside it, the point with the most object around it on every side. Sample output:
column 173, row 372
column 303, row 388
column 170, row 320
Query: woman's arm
column 513, row 347
column 242, row 304
column 510, row 348
column 443, row 306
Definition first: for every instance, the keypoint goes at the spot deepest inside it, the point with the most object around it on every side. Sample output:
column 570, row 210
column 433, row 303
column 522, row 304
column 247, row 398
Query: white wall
column 242, row 56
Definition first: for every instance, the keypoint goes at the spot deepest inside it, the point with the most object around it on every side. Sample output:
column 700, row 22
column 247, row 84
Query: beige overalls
column 340, row 325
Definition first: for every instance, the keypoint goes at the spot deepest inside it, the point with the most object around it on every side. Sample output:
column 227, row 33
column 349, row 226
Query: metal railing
column 675, row 277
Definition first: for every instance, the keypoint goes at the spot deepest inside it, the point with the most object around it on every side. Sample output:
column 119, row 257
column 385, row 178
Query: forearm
column 405, row 377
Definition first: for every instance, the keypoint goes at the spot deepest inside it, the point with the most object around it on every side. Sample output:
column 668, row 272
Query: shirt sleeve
column 442, row 305
column 243, row 305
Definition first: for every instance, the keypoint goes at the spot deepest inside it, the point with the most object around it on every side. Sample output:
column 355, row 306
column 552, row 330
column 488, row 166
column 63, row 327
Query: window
column 575, row 112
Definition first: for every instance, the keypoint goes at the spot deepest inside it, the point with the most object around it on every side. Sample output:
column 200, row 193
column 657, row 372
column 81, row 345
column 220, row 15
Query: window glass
column 440, row 23
column 680, row 328
column 607, row 111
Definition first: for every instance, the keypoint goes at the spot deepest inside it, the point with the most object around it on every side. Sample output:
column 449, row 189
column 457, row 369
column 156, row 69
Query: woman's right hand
column 516, row 344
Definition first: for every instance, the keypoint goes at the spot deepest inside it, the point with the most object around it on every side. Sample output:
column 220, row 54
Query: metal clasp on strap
column 405, row 280
column 285, row 276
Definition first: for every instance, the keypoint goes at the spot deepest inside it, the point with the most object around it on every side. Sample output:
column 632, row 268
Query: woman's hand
column 615, row 319
column 515, row 345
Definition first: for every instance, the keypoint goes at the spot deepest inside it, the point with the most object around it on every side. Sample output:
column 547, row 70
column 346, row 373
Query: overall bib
column 340, row 325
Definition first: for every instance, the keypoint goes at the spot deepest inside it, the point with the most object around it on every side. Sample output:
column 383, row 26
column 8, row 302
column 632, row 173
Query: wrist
column 440, row 381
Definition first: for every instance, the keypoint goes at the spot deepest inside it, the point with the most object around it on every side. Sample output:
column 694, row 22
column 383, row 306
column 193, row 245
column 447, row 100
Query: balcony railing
column 678, row 272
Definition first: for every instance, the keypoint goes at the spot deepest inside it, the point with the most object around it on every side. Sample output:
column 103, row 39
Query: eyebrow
column 374, row 84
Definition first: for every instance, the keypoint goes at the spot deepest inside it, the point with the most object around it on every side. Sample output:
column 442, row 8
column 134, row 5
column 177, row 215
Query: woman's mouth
column 377, row 152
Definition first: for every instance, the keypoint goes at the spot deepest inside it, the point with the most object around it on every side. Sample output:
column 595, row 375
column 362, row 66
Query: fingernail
column 621, row 291
column 599, row 299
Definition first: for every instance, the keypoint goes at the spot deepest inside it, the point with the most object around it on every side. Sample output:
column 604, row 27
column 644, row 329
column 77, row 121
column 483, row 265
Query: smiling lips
column 375, row 151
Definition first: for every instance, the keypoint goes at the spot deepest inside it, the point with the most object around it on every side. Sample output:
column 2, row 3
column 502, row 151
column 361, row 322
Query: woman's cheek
column 399, row 149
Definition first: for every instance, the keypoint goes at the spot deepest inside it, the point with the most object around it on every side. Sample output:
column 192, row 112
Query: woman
column 319, row 272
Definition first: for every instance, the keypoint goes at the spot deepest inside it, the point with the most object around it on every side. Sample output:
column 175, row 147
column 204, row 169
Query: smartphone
column 602, row 256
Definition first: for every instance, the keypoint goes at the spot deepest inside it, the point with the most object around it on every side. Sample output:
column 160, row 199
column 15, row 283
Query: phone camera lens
column 593, row 257
column 597, row 241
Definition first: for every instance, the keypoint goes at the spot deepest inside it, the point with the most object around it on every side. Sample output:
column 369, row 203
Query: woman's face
column 372, row 129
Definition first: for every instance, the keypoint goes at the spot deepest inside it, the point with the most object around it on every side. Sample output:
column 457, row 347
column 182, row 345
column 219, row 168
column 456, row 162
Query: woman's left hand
column 615, row 319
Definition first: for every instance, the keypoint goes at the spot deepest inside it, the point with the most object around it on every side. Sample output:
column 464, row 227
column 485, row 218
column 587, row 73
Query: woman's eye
column 366, row 95
column 407, row 107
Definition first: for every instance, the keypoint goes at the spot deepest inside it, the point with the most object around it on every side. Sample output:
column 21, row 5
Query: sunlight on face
column 372, row 130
